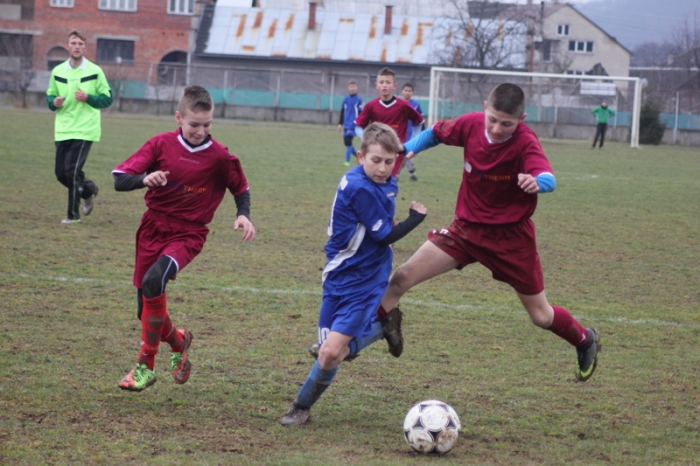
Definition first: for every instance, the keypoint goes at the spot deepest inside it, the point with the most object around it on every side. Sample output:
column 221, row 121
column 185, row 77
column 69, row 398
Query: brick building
column 121, row 32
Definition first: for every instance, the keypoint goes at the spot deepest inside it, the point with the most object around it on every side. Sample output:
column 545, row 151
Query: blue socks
column 316, row 383
column 356, row 344
column 349, row 150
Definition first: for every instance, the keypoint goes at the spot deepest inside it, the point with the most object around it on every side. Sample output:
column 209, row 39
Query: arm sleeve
column 100, row 101
column 363, row 119
column 342, row 114
column 547, row 182
column 400, row 230
column 243, row 204
column 49, row 102
column 127, row 182
column 423, row 141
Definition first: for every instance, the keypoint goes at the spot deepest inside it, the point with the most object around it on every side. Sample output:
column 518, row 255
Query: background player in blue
column 352, row 106
column 412, row 131
column 359, row 255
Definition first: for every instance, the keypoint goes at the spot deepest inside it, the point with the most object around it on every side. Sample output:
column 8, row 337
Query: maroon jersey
column 489, row 192
column 199, row 176
column 396, row 114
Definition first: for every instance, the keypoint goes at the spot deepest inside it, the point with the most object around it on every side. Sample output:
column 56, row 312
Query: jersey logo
column 377, row 225
column 343, row 183
column 392, row 194
column 467, row 167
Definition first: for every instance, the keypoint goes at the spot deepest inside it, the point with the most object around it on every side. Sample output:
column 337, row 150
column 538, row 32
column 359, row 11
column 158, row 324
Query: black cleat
column 391, row 328
column 588, row 356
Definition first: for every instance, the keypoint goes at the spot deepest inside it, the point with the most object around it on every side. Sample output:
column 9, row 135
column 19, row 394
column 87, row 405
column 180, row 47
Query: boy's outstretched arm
column 542, row 183
column 416, row 214
column 423, row 141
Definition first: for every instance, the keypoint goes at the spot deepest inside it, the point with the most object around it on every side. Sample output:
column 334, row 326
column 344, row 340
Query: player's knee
column 152, row 282
column 329, row 357
column 401, row 279
column 541, row 319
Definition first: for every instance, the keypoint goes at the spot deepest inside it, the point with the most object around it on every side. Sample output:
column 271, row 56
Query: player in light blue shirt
column 361, row 230
column 413, row 131
column 351, row 108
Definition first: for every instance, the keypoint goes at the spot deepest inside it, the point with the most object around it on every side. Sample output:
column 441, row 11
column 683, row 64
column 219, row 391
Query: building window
column 115, row 51
column 181, row 7
column 580, row 46
column 563, row 30
column 575, row 72
column 117, row 5
column 61, row 3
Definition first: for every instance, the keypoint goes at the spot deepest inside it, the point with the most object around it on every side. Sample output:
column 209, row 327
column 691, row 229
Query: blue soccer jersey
column 352, row 106
column 362, row 214
column 410, row 133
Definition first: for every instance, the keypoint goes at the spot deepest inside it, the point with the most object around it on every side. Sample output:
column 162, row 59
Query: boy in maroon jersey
column 504, row 169
column 187, row 174
column 389, row 110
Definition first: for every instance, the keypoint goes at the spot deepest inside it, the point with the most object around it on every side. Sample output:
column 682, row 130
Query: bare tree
column 16, row 52
column 482, row 35
column 653, row 53
column 686, row 38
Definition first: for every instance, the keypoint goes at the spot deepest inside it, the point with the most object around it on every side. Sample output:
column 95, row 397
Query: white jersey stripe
column 345, row 254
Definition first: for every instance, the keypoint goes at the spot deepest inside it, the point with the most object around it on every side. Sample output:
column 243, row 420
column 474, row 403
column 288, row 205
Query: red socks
column 565, row 326
column 172, row 336
column 152, row 321
column 381, row 313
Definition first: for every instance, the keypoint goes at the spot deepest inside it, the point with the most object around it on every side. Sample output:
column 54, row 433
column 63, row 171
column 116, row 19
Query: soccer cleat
column 347, row 164
column 138, row 379
column 391, row 328
column 68, row 221
column 296, row 415
column 414, row 177
column 90, row 202
column 313, row 352
column 179, row 362
column 588, row 356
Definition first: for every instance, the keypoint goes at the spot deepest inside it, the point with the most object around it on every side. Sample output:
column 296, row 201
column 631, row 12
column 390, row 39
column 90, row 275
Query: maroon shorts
column 159, row 236
column 508, row 251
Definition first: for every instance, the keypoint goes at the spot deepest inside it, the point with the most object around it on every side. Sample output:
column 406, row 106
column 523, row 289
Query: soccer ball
column 431, row 426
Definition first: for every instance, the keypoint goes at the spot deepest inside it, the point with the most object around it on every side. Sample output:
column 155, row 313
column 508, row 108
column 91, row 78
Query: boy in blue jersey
column 361, row 230
column 352, row 106
column 412, row 131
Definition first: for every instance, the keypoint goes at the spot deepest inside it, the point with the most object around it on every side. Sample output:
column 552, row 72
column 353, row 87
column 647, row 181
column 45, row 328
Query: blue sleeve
column 418, row 109
column 371, row 214
column 423, row 141
column 547, row 182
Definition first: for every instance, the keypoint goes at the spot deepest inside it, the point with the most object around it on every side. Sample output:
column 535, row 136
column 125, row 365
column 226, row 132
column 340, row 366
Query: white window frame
column 118, row 5
column 181, row 7
column 562, row 29
column 61, row 3
column 581, row 46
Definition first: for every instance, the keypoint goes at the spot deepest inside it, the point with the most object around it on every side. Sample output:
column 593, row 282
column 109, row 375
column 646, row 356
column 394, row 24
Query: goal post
column 559, row 100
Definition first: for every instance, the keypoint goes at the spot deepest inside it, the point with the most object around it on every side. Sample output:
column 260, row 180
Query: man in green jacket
column 77, row 91
column 601, row 113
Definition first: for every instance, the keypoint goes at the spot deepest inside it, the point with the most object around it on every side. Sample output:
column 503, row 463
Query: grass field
column 619, row 244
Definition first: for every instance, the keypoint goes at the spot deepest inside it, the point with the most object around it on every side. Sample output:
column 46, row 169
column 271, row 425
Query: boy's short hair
column 508, row 98
column 77, row 34
column 382, row 134
column 386, row 71
column 196, row 99
column 351, row 82
column 407, row 85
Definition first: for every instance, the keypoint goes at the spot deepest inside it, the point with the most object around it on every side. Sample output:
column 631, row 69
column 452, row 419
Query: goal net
column 557, row 105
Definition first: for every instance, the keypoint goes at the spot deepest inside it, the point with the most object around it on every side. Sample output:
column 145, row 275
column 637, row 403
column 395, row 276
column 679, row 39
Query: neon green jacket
column 602, row 114
column 75, row 119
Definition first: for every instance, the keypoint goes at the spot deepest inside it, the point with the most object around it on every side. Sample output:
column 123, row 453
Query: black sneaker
column 313, row 352
column 588, row 356
column 391, row 328
column 90, row 202
column 296, row 415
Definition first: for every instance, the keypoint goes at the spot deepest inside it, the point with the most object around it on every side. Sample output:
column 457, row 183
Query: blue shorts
column 351, row 313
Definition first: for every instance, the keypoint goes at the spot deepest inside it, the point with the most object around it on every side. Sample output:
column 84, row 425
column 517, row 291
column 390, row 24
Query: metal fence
column 325, row 90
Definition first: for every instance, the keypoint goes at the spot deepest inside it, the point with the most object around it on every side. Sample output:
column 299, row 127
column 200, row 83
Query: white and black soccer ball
column 431, row 426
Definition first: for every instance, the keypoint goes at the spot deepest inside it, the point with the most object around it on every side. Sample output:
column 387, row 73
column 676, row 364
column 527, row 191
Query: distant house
column 562, row 40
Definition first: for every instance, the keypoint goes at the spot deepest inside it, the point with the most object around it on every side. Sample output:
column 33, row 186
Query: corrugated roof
column 340, row 36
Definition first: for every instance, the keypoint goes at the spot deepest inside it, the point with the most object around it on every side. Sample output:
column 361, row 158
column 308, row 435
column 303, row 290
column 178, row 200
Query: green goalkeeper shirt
column 602, row 114
column 75, row 119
